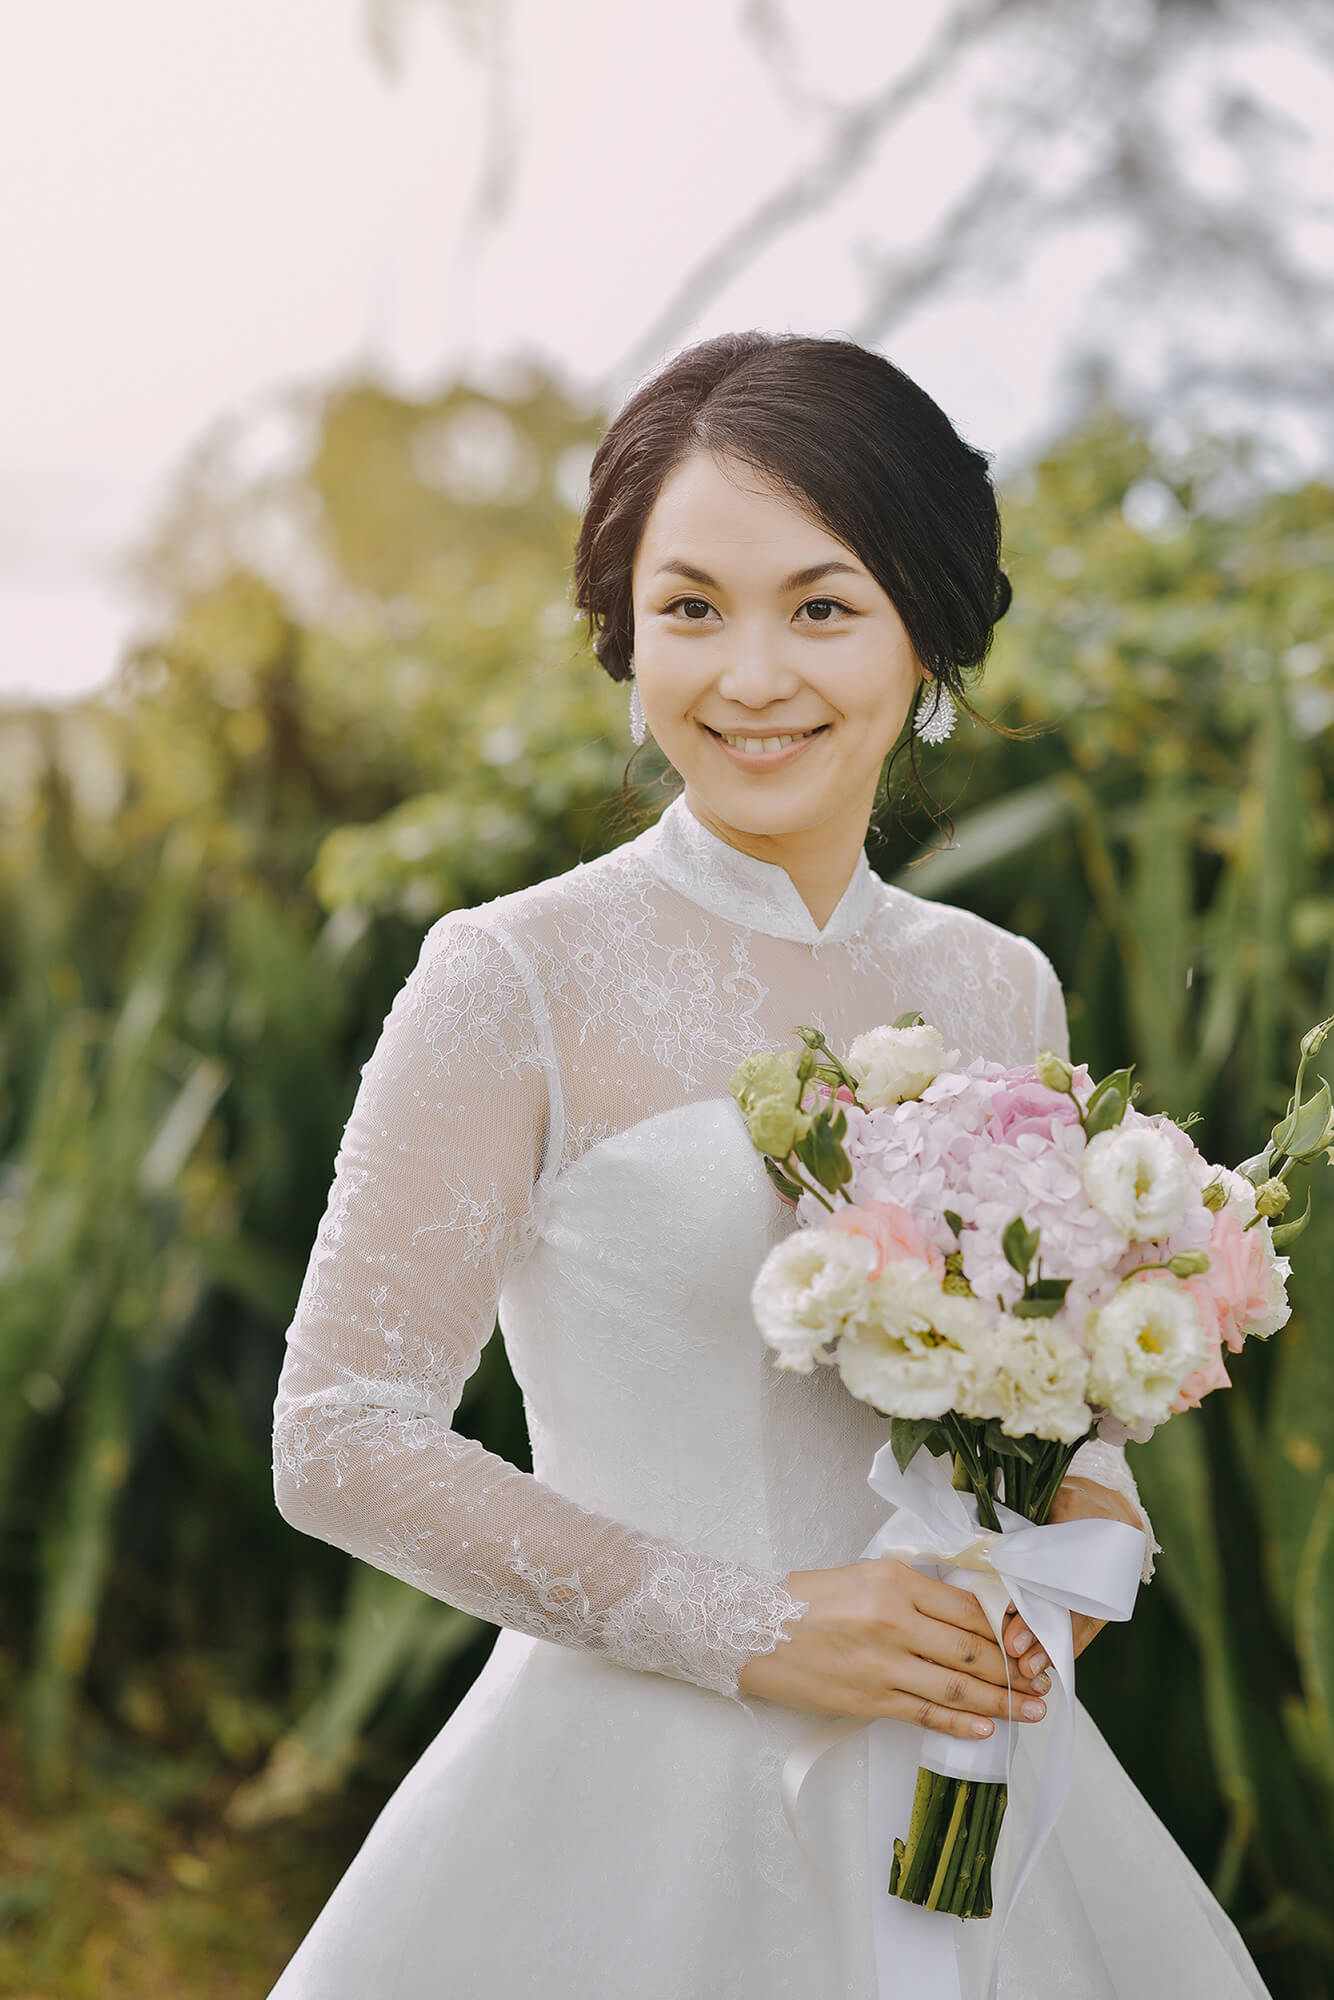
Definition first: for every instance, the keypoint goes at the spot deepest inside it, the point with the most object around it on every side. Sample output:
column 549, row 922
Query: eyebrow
column 797, row 581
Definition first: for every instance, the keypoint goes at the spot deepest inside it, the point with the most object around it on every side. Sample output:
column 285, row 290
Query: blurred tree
column 1162, row 156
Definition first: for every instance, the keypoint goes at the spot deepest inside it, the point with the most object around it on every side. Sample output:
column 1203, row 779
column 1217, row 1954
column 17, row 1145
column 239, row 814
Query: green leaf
column 1042, row 1298
column 1305, row 1131
column 820, row 1150
column 1313, row 1621
column 909, row 1434
column 955, row 1221
column 1106, row 1115
column 1020, row 1245
column 1004, row 1446
column 1161, row 930
column 1115, row 1079
column 912, row 1019
column 786, row 1186
column 1023, row 820
column 1287, row 1232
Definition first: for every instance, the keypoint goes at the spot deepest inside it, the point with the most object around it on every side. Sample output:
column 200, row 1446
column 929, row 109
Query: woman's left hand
column 1076, row 1500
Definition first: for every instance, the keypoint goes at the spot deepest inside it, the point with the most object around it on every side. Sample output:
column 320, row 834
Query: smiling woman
column 757, row 467
column 790, row 539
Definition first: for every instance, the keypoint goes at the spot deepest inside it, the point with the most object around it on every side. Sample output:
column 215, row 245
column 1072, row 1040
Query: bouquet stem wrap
column 1047, row 1572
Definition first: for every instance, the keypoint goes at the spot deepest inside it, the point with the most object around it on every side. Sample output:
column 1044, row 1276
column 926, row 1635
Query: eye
column 696, row 609
column 824, row 610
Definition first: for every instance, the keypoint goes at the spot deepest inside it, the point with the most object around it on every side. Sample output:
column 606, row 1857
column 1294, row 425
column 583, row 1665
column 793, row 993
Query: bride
column 788, row 551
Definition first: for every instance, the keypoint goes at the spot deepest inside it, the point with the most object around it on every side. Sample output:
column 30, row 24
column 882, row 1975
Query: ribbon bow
column 1048, row 1572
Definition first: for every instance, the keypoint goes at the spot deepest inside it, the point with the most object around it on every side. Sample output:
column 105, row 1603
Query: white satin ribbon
column 1047, row 1572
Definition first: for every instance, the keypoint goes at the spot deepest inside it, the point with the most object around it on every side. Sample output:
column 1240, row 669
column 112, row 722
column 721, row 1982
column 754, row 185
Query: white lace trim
column 1106, row 1465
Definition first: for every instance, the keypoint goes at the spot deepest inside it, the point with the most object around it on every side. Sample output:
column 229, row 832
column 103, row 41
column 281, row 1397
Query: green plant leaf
column 909, row 1434
column 1020, row 1244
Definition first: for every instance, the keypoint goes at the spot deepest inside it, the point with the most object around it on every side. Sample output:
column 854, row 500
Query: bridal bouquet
column 1007, row 1262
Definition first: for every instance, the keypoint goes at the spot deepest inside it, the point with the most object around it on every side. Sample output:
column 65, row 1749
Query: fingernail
column 1042, row 1682
column 1032, row 1710
column 1040, row 1664
column 981, row 1729
column 1019, row 1638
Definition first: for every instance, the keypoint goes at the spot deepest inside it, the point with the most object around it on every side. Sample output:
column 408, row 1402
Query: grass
column 136, row 1888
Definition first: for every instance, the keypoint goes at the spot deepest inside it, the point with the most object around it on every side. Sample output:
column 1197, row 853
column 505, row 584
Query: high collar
column 688, row 856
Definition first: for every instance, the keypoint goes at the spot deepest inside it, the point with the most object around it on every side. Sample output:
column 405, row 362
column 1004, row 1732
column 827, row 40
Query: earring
column 933, row 725
column 638, row 720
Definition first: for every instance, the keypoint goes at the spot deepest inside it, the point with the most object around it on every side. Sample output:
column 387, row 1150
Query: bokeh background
column 313, row 315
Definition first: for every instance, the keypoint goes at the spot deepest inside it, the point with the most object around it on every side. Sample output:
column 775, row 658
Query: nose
column 756, row 674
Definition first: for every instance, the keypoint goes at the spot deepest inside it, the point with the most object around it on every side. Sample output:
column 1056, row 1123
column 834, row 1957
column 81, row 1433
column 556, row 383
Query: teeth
column 758, row 743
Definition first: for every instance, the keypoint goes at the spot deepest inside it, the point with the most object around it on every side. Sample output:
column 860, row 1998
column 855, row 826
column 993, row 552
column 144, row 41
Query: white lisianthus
column 1138, row 1180
column 1038, row 1385
column 917, row 1351
column 894, row 1064
column 1143, row 1344
column 809, row 1288
column 1278, row 1312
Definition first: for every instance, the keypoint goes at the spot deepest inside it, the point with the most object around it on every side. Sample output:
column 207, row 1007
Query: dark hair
column 853, row 440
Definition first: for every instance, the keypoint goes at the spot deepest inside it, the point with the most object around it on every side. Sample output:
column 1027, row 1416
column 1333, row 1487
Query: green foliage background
column 212, row 885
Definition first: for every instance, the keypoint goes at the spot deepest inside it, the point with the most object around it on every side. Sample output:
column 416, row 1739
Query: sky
column 207, row 204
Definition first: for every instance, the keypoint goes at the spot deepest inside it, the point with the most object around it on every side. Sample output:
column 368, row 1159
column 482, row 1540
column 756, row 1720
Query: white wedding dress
column 545, row 1128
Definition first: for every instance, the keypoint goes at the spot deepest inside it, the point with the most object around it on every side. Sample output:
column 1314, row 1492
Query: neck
column 819, row 859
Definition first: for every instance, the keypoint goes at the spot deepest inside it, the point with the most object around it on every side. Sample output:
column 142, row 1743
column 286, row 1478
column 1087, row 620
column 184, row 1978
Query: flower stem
column 948, row 1853
column 971, row 1866
column 958, row 1435
column 989, row 1825
column 792, row 1168
column 931, row 1796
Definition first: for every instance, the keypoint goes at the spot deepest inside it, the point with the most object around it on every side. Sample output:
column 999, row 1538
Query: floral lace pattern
column 561, row 1025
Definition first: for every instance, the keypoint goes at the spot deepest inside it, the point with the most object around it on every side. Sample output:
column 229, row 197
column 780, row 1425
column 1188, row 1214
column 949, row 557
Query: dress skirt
column 579, row 1830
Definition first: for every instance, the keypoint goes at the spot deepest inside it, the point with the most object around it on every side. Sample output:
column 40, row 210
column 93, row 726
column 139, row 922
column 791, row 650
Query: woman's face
column 754, row 622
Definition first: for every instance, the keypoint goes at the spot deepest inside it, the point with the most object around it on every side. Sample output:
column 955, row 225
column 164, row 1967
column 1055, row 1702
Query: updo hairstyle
column 855, row 443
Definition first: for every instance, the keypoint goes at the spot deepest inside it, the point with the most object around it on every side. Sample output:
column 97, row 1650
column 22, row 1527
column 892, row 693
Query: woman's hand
column 881, row 1638
column 1076, row 1500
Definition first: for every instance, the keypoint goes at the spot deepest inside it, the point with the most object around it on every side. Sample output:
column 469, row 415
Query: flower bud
column 1188, row 1263
column 1272, row 1196
column 1052, row 1070
column 1214, row 1196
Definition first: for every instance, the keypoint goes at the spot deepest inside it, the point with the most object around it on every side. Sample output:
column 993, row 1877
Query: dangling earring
column 935, row 723
column 638, row 720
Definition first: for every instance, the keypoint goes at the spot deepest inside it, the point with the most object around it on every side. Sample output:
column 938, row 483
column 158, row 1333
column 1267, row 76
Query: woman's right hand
column 881, row 1638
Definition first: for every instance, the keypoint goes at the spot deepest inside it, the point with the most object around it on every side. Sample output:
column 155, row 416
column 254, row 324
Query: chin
column 738, row 806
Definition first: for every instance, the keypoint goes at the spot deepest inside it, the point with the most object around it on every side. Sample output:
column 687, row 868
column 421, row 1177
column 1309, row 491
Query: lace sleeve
column 1106, row 1465
column 434, row 1195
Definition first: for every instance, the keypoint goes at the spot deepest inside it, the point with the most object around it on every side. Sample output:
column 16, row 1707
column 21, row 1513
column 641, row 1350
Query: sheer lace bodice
column 544, row 1130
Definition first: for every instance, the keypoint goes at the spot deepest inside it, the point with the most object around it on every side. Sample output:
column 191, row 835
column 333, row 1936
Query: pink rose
column 1237, row 1279
column 894, row 1232
column 1029, row 1106
column 1212, row 1374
